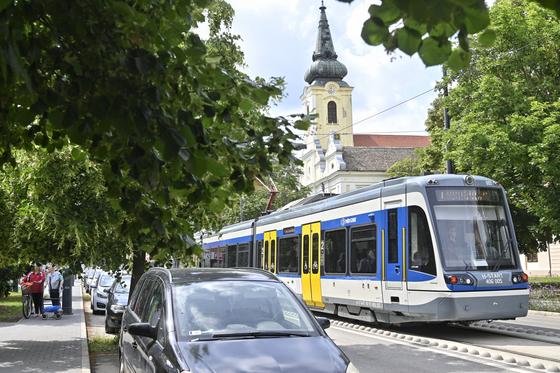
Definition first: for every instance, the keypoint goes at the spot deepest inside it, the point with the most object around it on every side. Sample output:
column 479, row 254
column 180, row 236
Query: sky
column 278, row 39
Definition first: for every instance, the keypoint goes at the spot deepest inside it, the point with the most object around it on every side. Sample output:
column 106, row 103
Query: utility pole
column 446, row 125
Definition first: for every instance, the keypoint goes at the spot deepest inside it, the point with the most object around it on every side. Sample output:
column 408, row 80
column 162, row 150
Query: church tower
column 327, row 95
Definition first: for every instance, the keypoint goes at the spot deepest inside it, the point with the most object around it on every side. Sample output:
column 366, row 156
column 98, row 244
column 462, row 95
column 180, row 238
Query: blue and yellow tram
column 432, row 248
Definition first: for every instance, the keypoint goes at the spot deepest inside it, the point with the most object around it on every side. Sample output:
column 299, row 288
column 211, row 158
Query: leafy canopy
column 505, row 118
column 428, row 27
column 168, row 119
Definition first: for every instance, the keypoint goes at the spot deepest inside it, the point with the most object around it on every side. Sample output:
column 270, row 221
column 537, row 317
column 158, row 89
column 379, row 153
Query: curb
column 84, row 337
column 514, row 360
column 543, row 313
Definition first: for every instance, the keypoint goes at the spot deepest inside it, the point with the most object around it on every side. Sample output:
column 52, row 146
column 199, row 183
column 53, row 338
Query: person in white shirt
column 54, row 282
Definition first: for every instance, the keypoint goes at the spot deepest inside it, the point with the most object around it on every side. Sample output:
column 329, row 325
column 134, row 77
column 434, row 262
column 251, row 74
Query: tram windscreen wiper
column 499, row 261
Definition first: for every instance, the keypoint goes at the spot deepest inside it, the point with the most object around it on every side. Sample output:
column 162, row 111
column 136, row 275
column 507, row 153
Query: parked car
column 223, row 320
column 92, row 279
column 100, row 292
column 116, row 304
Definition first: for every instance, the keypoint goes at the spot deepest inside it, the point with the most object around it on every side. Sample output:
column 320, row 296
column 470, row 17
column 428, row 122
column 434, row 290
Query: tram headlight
column 460, row 279
column 519, row 277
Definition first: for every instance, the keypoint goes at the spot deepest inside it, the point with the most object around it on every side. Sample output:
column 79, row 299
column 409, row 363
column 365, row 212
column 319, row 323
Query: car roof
column 182, row 275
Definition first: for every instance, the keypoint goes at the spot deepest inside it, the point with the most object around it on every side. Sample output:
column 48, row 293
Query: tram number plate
column 493, row 278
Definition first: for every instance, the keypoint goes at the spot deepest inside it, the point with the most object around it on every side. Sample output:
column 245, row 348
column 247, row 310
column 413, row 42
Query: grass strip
column 103, row 344
column 10, row 307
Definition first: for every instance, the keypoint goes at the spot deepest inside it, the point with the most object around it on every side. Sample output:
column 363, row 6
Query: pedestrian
column 54, row 282
column 37, row 280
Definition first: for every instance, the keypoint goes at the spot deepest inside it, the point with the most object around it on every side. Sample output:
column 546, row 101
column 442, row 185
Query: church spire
column 325, row 66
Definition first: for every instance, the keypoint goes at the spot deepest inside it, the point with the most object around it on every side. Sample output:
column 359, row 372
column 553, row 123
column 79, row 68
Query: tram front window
column 473, row 229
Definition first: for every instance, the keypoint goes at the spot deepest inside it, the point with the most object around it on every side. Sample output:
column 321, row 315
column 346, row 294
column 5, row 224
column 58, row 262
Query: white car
column 100, row 293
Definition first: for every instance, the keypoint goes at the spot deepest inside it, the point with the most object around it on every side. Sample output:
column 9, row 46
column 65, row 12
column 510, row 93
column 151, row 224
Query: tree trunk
column 138, row 261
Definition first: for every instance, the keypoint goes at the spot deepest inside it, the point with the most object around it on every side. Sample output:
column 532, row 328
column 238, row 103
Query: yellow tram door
column 270, row 251
column 311, row 265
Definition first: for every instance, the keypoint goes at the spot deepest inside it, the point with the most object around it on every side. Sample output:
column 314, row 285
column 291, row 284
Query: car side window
column 155, row 311
column 143, row 299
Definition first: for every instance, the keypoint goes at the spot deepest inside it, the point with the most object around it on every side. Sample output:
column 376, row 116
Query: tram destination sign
column 484, row 195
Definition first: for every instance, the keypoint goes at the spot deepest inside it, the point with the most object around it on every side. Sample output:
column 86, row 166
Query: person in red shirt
column 37, row 279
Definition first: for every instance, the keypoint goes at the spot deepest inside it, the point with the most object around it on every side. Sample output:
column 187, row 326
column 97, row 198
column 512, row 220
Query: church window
column 331, row 111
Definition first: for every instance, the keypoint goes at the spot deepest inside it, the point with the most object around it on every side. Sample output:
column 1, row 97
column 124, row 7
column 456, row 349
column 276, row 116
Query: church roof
column 373, row 159
column 325, row 66
column 391, row 141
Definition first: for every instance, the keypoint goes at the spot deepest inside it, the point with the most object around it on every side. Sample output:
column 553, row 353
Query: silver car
column 100, row 293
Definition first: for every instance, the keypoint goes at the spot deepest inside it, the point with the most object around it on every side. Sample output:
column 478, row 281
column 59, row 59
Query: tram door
column 394, row 241
column 311, row 265
column 269, row 251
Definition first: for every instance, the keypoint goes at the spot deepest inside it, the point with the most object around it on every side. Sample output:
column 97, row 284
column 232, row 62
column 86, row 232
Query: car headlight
column 102, row 295
column 117, row 308
column 352, row 369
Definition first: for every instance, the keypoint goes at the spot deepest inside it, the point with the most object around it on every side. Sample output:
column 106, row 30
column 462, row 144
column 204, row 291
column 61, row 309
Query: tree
column 505, row 117
column 173, row 127
column 429, row 27
column 252, row 205
column 60, row 212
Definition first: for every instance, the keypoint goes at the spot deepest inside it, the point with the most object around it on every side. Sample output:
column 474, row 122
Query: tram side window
column 305, row 250
column 231, row 256
column 393, row 247
column 421, row 251
column 363, row 250
column 217, row 257
column 335, row 251
column 266, row 255
column 315, row 253
column 259, row 254
column 243, row 255
column 288, row 255
column 273, row 256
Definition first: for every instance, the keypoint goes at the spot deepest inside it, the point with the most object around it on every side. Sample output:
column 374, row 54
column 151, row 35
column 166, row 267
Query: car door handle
column 397, row 269
column 134, row 345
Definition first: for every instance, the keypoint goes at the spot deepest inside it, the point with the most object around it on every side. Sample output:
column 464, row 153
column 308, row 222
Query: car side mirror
column 142, row 329
column 323, row 322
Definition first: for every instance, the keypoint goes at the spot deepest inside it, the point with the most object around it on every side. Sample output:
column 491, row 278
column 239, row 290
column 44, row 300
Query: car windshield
column 105, row 281
column 206, row 309
column 123, row 286
column 473, row 229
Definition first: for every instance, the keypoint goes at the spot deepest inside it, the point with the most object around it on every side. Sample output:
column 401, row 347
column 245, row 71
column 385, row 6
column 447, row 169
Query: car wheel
column 108, row 329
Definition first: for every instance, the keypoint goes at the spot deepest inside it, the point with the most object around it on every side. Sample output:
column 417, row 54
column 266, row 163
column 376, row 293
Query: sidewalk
column 36, row 345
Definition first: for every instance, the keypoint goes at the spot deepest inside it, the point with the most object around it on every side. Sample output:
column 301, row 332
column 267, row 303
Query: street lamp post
column 446, row 125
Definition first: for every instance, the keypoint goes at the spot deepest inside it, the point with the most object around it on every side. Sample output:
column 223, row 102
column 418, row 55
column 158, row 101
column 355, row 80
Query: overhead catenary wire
column 323, row 135
column 320, row 136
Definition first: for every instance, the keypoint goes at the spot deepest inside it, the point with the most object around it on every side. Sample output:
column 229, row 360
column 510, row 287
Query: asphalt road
column 371, row 353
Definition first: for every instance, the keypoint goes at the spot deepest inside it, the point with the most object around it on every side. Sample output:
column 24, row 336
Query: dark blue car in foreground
column 223, row 320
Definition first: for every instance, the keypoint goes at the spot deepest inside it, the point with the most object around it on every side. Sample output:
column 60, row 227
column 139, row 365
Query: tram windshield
column 473, row 229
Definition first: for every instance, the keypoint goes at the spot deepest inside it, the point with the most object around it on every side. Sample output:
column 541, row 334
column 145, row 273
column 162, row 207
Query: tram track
column 539, row 356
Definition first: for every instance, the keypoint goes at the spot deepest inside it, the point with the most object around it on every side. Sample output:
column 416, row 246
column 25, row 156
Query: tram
column 437, row 248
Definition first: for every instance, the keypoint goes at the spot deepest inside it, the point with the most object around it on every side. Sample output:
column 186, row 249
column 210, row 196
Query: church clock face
column 331, row 90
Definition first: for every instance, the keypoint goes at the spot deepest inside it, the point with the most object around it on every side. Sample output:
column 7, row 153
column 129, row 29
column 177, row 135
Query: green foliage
column 98, row 344
column 428, row 27
column 10, row 307
column 9, row 277
column 252, row 205
column 61, row 211
column 408, row 166
column 505, row 118
column 166, row 122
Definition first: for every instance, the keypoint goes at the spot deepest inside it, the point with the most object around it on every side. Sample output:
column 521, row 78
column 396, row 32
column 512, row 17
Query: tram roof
column 388, row 187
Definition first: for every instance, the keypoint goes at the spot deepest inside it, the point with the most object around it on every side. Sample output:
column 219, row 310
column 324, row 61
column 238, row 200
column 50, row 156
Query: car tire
column 109, row 330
